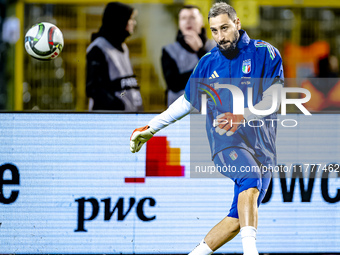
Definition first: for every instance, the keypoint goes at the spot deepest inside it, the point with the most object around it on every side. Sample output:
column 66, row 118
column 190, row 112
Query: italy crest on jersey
column 233, row 155
column 246, row 66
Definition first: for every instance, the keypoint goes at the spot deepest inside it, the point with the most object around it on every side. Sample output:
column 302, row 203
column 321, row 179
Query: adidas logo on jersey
column 214, row 75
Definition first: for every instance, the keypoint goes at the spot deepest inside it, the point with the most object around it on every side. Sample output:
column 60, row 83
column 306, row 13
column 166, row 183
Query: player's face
column 131, row 24
column 225, row 31
column 190, row 19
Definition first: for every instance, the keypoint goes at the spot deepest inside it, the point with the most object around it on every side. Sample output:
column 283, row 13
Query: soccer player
column 236, row 58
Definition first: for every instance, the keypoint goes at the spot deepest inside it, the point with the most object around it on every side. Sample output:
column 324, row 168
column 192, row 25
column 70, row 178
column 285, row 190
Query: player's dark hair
column 222, row 8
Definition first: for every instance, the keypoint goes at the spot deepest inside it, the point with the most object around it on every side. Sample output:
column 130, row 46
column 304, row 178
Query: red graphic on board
column 161, row 160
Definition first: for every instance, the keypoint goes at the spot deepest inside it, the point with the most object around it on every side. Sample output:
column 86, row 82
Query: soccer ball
column 44, row 41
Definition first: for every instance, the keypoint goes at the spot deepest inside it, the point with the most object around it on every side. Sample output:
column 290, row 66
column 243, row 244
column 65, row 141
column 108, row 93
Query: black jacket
column 98, row 82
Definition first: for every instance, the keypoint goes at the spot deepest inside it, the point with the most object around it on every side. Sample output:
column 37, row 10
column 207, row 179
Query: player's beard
column 231, row 48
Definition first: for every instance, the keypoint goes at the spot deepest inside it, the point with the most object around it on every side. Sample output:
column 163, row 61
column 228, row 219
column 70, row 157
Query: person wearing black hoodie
column 110, row 82
column 180, row 58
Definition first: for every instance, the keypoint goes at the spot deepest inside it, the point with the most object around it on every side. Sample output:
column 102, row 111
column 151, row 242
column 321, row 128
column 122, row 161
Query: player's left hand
column 228, row 123
column 139, row 137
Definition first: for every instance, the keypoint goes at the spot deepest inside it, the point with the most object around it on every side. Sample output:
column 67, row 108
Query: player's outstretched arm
column 176, row 111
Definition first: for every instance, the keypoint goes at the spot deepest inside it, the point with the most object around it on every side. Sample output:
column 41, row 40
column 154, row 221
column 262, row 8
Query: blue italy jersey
column 258, row 65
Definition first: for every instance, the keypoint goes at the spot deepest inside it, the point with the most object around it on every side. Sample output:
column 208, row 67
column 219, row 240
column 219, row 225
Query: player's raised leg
column 243, row 212
column 248, row 202
column 248, row 216
column 247, row 207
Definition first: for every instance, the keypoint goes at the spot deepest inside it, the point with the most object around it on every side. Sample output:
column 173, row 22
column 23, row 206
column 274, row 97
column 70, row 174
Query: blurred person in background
column 325, row 86
column 110, row 82
column 180, row 58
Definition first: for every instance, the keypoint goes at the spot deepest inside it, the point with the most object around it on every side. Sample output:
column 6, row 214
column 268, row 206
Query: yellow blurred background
column 292, row 26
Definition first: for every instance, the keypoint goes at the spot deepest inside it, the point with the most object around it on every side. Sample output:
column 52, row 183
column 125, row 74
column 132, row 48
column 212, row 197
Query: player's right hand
column 228, row 123
column 139, row 137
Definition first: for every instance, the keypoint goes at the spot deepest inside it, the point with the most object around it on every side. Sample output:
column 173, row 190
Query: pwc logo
column 161, row 161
